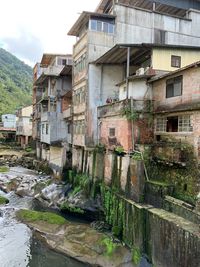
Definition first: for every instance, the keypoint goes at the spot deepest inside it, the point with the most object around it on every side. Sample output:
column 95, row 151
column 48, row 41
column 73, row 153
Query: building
column 176, row 98
column 8, row 127
column 126, row 120
column 50, row 127
column 120, row 22
column 24, row 125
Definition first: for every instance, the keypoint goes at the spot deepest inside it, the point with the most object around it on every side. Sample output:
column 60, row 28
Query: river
column 18, row 246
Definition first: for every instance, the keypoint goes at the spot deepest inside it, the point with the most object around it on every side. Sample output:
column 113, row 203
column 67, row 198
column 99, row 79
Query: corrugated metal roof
column 118, row 54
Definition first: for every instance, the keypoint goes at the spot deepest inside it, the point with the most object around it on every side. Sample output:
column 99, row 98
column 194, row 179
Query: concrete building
column 8, row 127
column 24, row 125
column 120, row 22
column 50, row 126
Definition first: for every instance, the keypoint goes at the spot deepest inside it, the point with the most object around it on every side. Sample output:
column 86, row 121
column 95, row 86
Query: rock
column 83, row 243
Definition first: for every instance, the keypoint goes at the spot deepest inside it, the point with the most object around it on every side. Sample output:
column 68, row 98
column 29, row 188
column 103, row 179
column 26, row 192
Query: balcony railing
column 121, row 107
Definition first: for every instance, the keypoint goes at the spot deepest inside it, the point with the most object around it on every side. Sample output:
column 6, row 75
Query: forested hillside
column 15, row 83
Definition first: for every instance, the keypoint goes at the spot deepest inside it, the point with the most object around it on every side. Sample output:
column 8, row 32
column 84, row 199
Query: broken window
column 174, row 87
column 175, row 61
column 112, row 132
column 172, row 124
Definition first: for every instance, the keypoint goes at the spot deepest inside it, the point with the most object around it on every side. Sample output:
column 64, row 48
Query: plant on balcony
column 100, row 148
column 131, row 115
column 119, row 150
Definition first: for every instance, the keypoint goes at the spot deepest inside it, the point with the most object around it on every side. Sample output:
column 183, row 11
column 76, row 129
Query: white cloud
column 29, row 28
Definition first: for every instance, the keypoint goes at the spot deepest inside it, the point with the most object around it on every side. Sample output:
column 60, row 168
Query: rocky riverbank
column 77, row 240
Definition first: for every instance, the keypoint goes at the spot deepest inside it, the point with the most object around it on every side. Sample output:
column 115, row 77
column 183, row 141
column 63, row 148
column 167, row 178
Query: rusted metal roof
column 83, row 19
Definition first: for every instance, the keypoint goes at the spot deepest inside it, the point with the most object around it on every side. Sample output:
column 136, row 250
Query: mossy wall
column 175, row 164
column 125, row 216
column 172, row 241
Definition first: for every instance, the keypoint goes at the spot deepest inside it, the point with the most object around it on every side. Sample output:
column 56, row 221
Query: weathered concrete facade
column 24, row 125
column 51, row 100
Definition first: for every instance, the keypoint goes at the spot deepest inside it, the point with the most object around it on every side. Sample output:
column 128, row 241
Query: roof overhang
column 103, row 5
column 67, row 70
column 83, row 19
column 118, row 54
column 47, row 58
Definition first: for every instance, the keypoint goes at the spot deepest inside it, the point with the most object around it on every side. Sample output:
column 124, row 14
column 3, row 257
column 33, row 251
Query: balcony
column 48, row 116
column 67, row 113
column 52, row 70
column 119, row 108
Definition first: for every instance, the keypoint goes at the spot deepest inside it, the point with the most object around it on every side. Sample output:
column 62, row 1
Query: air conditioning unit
column 140, row 71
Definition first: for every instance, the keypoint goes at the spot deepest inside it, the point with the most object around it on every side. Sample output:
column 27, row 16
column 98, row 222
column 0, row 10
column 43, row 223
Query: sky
column 30, row 28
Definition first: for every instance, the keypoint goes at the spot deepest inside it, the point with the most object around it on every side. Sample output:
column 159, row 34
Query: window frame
column 110, row 132
column 172, row 82
column 174, row 60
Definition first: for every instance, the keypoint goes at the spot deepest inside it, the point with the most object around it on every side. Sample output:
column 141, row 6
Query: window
column 184, row 124
column 174, row 87
column 47, row 129
column 161, row 125
column 93, row 25
column 102, row 26
column 174, row 124
column 43, row 128
column 69, row 128
column 79, row 96
column 112, row 132
column 64, row 62
column 80, row 64
column 79, row 127
column 175, row 61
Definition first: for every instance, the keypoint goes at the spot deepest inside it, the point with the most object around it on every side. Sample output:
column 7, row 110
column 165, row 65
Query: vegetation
column 4, row 169
column 15, row 83
column 136, row 255
column 110, row 246
column 3, row 200
column 67, row 207
column 33, row 216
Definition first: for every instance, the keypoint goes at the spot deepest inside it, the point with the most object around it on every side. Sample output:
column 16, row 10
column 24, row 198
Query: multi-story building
column 24, row 125
column 51, row 128
column 125, row 120
column 120, row 22
column 176, row 98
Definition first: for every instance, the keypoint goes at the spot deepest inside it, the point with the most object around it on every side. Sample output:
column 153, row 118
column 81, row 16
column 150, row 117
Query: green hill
column 15, row 83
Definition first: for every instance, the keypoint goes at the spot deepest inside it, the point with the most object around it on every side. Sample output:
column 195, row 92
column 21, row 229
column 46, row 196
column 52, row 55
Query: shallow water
column 17, row 245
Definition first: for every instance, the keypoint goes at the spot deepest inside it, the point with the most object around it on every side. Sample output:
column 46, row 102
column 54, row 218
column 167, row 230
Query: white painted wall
column 137, row 90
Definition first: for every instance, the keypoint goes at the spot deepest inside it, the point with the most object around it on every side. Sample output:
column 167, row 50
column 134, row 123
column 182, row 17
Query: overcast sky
column 30, row 28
